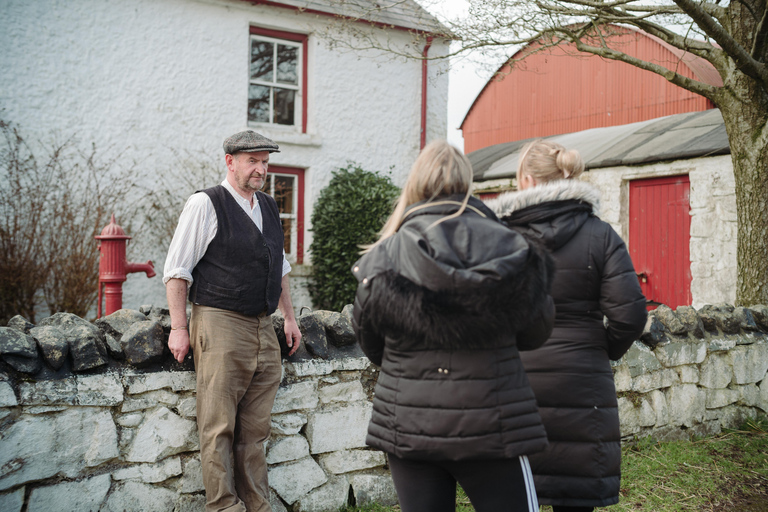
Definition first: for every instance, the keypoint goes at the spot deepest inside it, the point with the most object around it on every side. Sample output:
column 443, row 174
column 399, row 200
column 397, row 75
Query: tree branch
column 709, row 25
column 706, row 90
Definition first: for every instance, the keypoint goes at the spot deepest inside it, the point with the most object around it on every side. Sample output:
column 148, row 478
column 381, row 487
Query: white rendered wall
column 713, row 218
column 144, row 77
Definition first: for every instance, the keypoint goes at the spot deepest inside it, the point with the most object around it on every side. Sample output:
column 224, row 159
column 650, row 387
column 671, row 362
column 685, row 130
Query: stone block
column 48, row 392
column 745, row 319
column 83, row 495
column 287, row 449
column 339, row 429
column 640, row 359
column 351, row 391
column 192, row 478
column 691, row 321
column 716, row 371
column 275, row 502
column 40, row 447
column 337, row 327
column 7, row 395
column 138, row 383
column 670, row 320
column 689, row 374
column 21, row 324
column 302, row 395
column 288, row 424
column 677, row 353
column 721, row 344
column 687, row 404
column 622, row 379
column 87, row 345
column 759, row 313
column 346, row 461
column 105, row 389
column 661, row 379
column 653, row 332
column 150, row 473
column 658, row 401
column 130, row 420
column 629, row 417
column 717, row 398
column 150, row 400
column 749, row 395
column 720, row 317
column 19, row 350
column 750, row 363
column 163, row 434
column 12, row 501
column 143, row 343
column 139, row 497
column 373, row 489
column 187, row 407
column 763, row 387
column 314, row 336
column 332, row 495
column 319, row 367
column 285, row 480
column 53, row 344
column 120, row 321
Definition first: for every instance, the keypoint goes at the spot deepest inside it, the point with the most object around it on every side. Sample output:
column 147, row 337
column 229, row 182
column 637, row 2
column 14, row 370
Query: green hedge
column 349, row 212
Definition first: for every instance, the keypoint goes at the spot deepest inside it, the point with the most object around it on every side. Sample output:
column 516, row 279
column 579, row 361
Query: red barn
column 560, row 90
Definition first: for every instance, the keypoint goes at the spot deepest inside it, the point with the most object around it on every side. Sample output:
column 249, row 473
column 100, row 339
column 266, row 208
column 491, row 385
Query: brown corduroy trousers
column 238, row 367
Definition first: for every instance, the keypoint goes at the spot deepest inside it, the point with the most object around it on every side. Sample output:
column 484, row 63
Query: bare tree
column 54, row 198
column 730, row 34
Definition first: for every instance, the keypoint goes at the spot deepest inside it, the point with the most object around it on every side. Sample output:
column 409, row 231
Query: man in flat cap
column 227, row 252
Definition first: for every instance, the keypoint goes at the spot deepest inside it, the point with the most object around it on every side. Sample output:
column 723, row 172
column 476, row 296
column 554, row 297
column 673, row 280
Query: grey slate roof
column 675, row 137
column 398, row 13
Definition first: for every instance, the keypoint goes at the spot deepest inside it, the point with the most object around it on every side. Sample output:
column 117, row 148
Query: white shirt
column 196, row 229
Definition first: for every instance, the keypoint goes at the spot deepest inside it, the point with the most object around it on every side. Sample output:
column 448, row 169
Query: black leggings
column 560, row 508
column 499, row 485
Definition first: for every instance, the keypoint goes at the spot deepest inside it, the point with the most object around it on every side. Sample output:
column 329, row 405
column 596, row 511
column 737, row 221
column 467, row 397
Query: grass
column 723, row 473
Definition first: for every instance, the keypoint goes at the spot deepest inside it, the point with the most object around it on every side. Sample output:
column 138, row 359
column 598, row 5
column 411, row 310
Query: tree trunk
column 747, row 125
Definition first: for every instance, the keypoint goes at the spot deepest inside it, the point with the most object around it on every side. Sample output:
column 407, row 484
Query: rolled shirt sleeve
column 197, row 227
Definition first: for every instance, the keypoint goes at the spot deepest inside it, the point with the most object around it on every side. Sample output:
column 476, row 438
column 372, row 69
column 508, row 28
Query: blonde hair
column 439, row 170
column 546, row 161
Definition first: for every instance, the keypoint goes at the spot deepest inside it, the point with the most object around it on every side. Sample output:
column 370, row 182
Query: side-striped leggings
column 497, row 485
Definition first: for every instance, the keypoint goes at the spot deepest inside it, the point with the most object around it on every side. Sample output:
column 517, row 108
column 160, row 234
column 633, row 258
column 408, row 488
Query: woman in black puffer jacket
column 446, row 298
column 600, row 312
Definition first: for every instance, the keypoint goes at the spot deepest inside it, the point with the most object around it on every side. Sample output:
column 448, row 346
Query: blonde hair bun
column 545, row 160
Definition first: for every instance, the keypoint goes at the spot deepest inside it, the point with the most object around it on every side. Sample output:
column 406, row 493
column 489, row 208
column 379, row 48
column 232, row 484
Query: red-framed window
column 286, row 186
column 277, row 86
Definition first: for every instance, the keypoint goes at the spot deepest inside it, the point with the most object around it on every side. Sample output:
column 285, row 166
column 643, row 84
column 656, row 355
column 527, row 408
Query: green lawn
column 724, row 473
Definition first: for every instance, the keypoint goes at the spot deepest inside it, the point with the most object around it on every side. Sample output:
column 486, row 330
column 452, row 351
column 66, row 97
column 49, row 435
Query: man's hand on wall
column 292, row 335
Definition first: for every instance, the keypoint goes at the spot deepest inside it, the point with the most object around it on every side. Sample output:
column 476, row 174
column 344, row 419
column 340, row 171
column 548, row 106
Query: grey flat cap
column 249, row 142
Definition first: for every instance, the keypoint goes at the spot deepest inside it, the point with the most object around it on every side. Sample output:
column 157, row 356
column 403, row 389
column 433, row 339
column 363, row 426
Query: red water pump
column 113, row 268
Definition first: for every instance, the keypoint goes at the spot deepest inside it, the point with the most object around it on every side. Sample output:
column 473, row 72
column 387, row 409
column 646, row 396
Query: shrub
column 53, row 200
column 349, row 213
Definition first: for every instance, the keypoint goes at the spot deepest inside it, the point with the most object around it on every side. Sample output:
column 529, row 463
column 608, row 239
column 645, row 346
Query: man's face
column 249, row 170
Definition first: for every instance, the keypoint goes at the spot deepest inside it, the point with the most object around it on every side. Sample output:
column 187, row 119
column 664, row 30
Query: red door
column 659, row 239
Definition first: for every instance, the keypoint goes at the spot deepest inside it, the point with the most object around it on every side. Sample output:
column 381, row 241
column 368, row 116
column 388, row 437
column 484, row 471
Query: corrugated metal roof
column 405, row 14
column 675, row 137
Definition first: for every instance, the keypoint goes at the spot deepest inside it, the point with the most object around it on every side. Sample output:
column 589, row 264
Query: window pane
column 284, row 193
column 262, row 64
column 284, row 106
column 287, row 223
column 258, row 104
column 287, row 64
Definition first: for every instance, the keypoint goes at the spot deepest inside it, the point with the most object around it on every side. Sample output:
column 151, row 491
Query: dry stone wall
column 99, row 416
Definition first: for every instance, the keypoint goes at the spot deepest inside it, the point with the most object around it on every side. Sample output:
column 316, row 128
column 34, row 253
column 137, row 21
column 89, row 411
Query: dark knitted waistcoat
column 242, row 268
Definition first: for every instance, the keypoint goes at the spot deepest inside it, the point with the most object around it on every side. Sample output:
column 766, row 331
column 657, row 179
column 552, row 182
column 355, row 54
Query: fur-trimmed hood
column 556, row 190
column 467, row 282
column 551, row 212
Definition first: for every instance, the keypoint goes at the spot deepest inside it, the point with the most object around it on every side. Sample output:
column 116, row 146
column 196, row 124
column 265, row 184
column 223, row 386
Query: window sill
column 286, row 135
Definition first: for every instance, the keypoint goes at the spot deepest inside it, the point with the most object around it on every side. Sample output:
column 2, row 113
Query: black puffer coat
column 443, row 311
column 571, row 374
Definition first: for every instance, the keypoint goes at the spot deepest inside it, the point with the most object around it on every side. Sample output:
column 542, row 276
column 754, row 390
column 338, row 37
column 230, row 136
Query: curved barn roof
column 560, row 89
column 680, row 136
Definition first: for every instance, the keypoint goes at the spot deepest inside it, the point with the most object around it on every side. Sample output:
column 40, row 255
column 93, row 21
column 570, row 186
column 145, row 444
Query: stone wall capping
column 98, row 432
